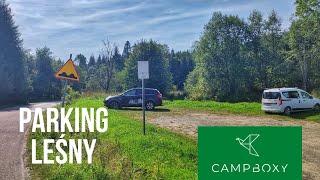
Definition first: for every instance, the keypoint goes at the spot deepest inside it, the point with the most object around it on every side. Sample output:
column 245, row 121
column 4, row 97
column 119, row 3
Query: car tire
column 114, row 105
column 149, row 105
column 316, row 108
column 287, row 111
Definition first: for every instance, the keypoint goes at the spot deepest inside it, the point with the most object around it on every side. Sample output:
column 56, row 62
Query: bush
column 71, row 95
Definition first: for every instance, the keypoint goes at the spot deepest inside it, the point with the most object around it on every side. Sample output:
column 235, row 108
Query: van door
column 306, row 100
column 295, row 100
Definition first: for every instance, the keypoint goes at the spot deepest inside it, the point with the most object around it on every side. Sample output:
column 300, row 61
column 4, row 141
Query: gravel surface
column 188, row 123
column 12, row 142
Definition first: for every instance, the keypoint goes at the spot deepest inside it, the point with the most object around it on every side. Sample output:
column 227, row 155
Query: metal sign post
column 143, row 109
column 66, row 73
column 143, row 73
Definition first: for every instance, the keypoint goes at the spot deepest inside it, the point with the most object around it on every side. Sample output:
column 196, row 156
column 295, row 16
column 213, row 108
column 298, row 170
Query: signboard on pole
column 143, row 69
column 68, row 72
column 143, row 73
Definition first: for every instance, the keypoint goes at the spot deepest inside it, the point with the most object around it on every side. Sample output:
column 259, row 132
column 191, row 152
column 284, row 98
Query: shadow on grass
column 140, row 109
column 304, row 115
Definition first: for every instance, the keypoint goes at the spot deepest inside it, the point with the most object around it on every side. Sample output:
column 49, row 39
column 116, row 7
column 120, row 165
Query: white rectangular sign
column 143, row 69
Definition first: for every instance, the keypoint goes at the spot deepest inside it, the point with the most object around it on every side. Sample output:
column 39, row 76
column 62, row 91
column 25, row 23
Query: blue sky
column 79, row 26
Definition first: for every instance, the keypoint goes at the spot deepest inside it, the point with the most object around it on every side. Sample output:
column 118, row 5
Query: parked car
column 133, row 98
column 288, row 100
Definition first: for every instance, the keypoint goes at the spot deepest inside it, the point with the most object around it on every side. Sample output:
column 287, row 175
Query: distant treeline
column 234, row 60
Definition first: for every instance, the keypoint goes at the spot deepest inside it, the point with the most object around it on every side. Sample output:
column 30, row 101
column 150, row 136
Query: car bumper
column 105, row 103
column 271, row 109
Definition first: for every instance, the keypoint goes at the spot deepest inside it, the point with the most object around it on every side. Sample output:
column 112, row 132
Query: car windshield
column 271, row 95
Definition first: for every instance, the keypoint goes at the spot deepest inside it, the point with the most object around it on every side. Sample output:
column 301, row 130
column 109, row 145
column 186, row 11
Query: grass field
column 242, row 108
column 124, row 153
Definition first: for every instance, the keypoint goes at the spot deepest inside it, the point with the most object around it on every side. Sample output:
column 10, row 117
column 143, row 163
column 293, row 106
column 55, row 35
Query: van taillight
column 279, row 101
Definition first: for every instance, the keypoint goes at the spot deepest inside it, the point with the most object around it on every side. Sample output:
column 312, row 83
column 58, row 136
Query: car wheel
column 287, row 111
column 114, row 105
column 149, row 105
column 316, row 108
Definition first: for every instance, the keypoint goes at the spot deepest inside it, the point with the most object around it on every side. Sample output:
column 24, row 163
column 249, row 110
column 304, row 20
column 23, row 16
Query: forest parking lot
column 169, row 148
column 186, row 116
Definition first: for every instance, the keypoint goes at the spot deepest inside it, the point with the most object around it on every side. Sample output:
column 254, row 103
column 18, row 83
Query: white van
column 287, row 100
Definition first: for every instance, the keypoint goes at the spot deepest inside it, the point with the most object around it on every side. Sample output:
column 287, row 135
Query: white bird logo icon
column 247, row 143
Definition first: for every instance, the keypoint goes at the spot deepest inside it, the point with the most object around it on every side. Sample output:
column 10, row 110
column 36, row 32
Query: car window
column 285, row 94
column 138, row 91
column 293, row 94
column 305, row 95
column 271, row 95
column 130, row 93
column 149, row 91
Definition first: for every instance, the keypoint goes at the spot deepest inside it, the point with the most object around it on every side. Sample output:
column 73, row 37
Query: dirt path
column 188, row 123
column 12, row 142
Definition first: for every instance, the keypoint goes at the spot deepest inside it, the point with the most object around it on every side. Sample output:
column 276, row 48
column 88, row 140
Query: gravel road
column 12, row 142
column 188, row 123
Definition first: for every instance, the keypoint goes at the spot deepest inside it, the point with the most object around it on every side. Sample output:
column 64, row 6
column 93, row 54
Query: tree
column 157, row 55
column 82, row 70
column 12, row 72
column 304, row 42
column 257, row 64
column 106, row 71
column 220, row 61
column 45, row 86
column 181, row 64
column 99, row 60
column 92, row 61
column 126, row 50
column 119, row 61
column 82, row 60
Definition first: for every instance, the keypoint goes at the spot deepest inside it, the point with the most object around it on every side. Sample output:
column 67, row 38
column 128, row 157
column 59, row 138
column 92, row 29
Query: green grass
column 123, row 152
column 242, row 108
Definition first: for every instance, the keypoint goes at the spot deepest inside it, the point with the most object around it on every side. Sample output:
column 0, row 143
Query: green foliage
column 12, row 70
column 119, row 60
column 126, row 50
column 304, row 43
column 157, row 55
column 181, row 64
column 236, row 60
column 45, row 85
column 71, row 95
column 220, row 62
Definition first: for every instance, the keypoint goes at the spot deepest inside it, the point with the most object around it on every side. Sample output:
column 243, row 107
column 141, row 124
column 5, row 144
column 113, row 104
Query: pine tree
column 45, row 85
column 119, row 61
column 12, row 71
column 92, row 61
column 126, row 50
column 82, row 60
column 99, row 61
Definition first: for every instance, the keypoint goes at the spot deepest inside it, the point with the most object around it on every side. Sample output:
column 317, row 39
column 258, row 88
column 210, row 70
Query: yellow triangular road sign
column 68, row 71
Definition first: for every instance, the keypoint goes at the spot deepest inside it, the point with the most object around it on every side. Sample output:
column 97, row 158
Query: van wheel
column 114, row 105
column 287, row 111
column 149, row 105
column 316, row 108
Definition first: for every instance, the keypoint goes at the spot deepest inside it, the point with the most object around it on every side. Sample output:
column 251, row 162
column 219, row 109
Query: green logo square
column 250, row 153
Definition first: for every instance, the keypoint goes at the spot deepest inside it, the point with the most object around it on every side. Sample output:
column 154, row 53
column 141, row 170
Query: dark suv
column 133, row 98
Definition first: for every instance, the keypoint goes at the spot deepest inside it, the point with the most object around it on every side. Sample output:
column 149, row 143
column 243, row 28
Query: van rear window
column 271, row 95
